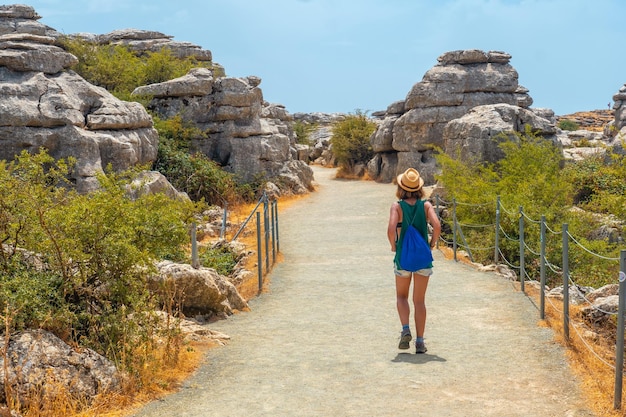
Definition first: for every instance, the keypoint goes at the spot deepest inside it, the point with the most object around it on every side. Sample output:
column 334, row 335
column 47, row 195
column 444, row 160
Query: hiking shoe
column 420, row 347
column 405, row 340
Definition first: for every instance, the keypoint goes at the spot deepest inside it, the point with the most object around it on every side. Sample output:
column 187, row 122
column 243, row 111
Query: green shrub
column 532, row 176
column 566, row 124
column 120, row 71
column 599, row 183
column 98, row 250
column 194, row 173
column 351, row 141
column 303, row 132
column 220, row 258
column 529, row 175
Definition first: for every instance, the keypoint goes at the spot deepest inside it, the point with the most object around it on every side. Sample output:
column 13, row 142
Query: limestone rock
column 43, row 104
column 475, row 136
column 38, row 361
column 153, row 182
column 198, row 82
column 241, row 132
column 199, row 291
column 460, row 81
column 619, row 106
column 143, row 41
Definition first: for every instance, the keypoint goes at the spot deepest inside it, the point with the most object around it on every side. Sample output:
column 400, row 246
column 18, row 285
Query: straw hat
column 410, row 180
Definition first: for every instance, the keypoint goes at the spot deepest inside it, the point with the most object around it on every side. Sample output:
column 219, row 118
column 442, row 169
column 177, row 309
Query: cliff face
column 43, row 104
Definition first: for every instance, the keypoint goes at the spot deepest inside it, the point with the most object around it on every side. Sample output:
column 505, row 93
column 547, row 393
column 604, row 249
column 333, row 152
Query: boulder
column 198, row 291
column 145, row 41
column 153, row 182
column 40, row 363
column 44, row 104
column 475, row 136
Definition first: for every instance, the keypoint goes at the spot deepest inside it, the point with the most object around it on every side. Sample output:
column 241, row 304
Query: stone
column 475, row 136
column 199, row 291
column 619, row 106
column 39, row 362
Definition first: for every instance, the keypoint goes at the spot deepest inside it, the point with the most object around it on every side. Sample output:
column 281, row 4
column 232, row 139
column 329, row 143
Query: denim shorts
column 407, row 274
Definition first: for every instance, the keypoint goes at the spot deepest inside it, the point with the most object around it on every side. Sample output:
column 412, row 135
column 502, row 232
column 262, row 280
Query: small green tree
column 351, row 141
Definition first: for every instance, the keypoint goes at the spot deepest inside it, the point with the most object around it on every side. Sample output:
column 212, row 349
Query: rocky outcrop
column 475, row 136
column 44, row 104
column 412, row 128
column 40, row 364
column 247, row 136
column 619, row 106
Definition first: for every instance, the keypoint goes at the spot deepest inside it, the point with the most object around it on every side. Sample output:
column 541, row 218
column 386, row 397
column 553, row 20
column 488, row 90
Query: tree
column 351, row 141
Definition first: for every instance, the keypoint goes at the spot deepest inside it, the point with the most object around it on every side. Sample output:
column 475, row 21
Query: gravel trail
column 323, row 340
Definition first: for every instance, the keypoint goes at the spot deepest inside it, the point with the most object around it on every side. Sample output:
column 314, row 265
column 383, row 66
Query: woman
column 411, row 208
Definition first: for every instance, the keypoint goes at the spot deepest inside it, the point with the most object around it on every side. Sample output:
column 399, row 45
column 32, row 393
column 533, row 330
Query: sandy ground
column 323, row 340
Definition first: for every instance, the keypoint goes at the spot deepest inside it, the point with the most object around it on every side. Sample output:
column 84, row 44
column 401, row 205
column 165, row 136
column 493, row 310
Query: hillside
column 592, row 120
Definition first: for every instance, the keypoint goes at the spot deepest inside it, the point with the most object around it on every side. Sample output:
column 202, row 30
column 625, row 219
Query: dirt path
column 323, row 340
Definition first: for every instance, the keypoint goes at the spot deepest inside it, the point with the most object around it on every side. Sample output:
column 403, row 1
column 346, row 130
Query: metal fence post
column 277, row 230
column 542, row 270
column 496, row 253
column 619, row 346
column 454, row 227
column 522, row 271
column 273, row 225
column 258, row 249
column 565, row 282
column 224, row 217
column 266, row 234
column 195, row 261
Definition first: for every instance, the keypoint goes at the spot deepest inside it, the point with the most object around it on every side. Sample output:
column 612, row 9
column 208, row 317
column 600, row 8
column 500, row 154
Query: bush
column 351, row 141
column 565, row 124
column 96, row 251
column 529, row 175
column 599, row 184
column 220, row 258
column 120, row 71
column 194, row 173
column 303, row 132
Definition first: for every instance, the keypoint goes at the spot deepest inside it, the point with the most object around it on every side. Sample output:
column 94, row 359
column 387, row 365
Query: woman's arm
column 394, row 219
column 431, row 217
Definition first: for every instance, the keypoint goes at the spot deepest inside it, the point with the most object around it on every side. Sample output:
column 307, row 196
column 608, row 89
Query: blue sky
column 344, row 55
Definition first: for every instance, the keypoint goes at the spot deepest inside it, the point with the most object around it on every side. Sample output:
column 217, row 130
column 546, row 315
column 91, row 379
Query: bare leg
column 419, row 295
column 402, row 299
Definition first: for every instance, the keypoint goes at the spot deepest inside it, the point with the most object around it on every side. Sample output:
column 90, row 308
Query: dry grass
column 597, row 378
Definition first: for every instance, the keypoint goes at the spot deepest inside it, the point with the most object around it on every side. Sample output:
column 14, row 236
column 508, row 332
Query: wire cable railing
column 504, row 228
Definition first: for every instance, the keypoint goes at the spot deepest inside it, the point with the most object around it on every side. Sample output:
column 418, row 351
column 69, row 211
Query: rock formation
column 247, row 136
column 411, row 129
column 44, row 104
column 619, row 106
